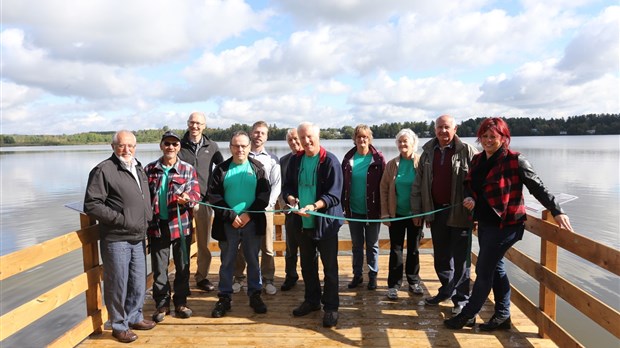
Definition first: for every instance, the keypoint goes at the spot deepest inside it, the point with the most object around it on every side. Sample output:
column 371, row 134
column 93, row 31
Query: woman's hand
column 563, row 221
column 469, row 203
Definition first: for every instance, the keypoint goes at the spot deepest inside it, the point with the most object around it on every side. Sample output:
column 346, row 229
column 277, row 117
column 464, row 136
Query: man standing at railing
column 174, row 188
column 439, row 184
column 117, row 195
column 292, row 222
column 314, row 183
column 204, row 154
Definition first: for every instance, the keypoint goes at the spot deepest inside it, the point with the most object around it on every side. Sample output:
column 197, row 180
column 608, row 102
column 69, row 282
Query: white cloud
column 129, row 32
column 101, row 65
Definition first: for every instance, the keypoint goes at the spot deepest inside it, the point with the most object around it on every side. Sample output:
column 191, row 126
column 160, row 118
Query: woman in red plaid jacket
column 494, row 192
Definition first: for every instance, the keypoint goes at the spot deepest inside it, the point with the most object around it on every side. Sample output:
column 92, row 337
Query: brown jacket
column 388, row 189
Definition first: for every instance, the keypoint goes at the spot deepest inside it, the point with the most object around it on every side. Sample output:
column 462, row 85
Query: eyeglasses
column 194, row 123
column 239, row 146
column 125, row 146
column 167, row 143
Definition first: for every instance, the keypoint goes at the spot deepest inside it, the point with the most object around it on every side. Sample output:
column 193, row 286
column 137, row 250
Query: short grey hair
column 410, row 135
column 289, row 132
column 198, row 113
column 315, row 129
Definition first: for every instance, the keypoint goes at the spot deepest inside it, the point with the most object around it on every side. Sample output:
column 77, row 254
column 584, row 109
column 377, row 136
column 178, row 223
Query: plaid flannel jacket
column 182, row 178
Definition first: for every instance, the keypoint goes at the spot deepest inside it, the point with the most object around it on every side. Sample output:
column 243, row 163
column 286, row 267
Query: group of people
column 449, row 187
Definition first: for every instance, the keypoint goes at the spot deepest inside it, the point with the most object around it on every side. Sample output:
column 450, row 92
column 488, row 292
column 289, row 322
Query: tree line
column 519, row 126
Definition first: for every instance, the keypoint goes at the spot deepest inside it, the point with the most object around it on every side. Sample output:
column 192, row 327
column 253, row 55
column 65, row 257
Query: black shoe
column 458, row 321
column 435, row 300
column 305, row 308
column 257, row 303
column 182, row 311
column 355, row 282
column 330, row 319
column 496, row 324
column 288, row 284
column 205, row 285
column 221, row 307
column 160, row 314
column 372, row 284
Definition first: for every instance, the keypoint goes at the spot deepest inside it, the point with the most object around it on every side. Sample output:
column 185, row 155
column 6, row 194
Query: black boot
column 458, row 321
column 372, row 283
column 221, row 307
column 355, row 282
column 496, row 323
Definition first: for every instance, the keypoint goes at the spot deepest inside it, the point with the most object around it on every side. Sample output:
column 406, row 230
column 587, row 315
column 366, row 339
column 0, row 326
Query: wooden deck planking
column 367, row 319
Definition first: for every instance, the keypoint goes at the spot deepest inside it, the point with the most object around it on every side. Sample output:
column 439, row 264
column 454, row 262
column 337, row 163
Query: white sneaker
column 270, row 289
column 392, row 294
column 236, row 286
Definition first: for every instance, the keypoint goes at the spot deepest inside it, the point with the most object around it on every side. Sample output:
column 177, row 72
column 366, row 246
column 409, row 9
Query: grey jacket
column 113, row 198
column 421, row 195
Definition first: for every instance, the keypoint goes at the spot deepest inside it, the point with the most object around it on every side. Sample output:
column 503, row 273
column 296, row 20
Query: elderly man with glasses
column 174, row 188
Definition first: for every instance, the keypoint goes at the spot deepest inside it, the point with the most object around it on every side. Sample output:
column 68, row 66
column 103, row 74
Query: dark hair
column 496, row 125
column 238, row 133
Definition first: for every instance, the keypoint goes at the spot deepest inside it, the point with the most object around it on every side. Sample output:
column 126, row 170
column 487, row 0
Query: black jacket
column 204, row 158
column 227, row 216
column 113, row 198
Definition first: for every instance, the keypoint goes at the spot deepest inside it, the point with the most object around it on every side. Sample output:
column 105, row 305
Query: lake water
column 37, row 182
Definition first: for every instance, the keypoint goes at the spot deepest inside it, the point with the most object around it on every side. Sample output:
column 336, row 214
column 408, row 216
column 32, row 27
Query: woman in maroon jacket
column 494, row 191
column 362, row 168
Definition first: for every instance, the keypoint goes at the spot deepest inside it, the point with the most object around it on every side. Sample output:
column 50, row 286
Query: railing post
column 90, row 257
column 549, row 259
column 279, row 237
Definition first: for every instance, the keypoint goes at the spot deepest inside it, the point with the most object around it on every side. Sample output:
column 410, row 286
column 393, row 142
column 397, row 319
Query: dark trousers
column 490, row 272
column 292, row 223
column 309, row 250
column 398, row 230
column 160, row 259
column 451, row 249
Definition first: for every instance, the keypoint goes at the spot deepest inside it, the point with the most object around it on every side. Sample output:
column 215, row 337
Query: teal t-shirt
column 358, row 183
column 307, row 186
column 240, row 186
column 403, row 181
column 162, row 193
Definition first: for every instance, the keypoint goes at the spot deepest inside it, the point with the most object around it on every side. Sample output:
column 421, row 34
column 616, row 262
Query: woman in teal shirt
column 362, row 168
column 395, row 202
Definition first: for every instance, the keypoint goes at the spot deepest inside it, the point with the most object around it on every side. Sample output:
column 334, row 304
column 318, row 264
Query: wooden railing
column 89, row 282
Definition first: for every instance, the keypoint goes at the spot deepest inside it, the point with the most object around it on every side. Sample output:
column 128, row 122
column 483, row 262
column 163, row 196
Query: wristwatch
column 314, row 206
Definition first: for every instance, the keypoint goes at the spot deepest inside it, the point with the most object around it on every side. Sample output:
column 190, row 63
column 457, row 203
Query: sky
column 103, row 65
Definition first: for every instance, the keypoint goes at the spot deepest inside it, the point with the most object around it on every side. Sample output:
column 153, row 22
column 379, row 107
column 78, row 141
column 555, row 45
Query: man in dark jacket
column 439, row 184
column 314, row 183
column 239, row 190
column 202, row 153
column 117, row 195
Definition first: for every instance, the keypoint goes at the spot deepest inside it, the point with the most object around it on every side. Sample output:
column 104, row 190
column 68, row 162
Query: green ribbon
column 316, row 213
column 184, row 253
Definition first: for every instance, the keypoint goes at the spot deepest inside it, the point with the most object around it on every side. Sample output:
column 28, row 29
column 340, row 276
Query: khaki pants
column 203, row 216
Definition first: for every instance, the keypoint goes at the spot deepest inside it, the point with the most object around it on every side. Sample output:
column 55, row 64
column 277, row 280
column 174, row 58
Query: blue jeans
column 490, row 272
column 250, row 248
column 293, row 227
column 398, row 230
column 309, row 250
column 124, row 281
column 451, row 252
column 362, row 232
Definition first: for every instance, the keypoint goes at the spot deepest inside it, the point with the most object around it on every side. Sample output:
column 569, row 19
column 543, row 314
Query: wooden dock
column 367, row 319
